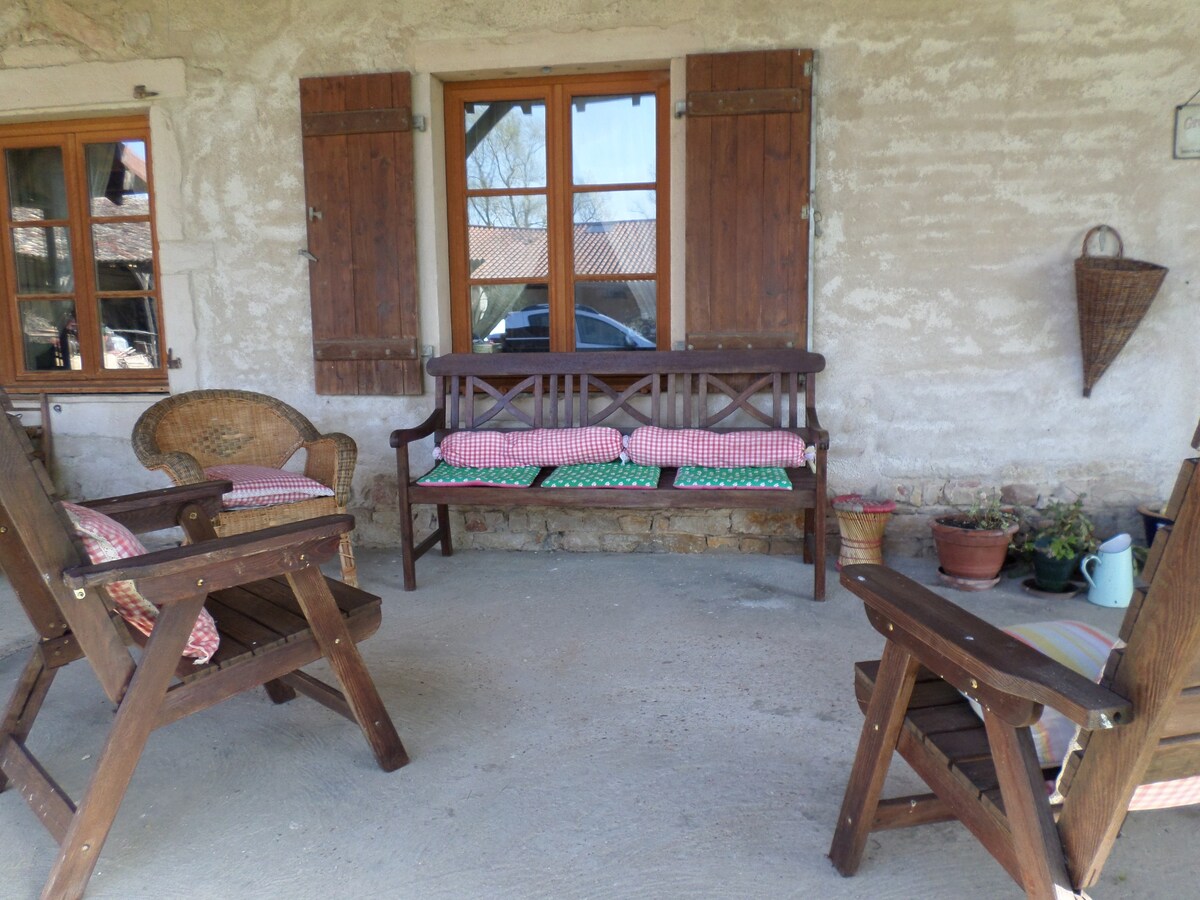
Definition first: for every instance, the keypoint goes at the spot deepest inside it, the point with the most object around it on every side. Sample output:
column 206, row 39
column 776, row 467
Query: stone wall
column 961, row 152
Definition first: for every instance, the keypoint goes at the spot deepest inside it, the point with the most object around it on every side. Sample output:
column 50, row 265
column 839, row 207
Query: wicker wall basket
column 1113, row 294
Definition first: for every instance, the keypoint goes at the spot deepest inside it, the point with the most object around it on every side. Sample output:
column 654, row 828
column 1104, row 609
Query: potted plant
column 972, row 545
column 1065, row 534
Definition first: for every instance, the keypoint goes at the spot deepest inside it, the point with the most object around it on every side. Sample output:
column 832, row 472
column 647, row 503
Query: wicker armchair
column 190, row 432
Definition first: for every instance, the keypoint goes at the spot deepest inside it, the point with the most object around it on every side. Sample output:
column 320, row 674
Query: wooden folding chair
column 275, row 612
column 1138, row 746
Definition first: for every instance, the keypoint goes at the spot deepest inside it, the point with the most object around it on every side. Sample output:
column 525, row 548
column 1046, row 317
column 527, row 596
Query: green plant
column 1066, row 531
column 986, row 514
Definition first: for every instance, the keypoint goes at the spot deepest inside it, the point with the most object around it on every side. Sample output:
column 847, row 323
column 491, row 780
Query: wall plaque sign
column 1187, row 129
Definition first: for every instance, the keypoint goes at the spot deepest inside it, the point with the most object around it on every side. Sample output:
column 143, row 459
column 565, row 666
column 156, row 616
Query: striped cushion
column 1079, row 647
column 105, row 540
column 532, row 447
column 654, row 446
column 256, row 486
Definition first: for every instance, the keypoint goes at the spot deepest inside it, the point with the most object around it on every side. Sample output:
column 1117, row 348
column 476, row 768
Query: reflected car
column 528, row 330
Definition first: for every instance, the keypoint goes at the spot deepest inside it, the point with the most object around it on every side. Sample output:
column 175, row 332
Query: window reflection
column 117, row 179
column 50, row 335
column 129, row 333
column 613, row 139
column 37, row 189
column 43, row 260
column 506, row 145
column 616, row 315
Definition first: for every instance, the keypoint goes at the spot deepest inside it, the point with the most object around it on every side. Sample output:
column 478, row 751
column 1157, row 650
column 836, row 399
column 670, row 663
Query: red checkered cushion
column 534, row 447
column 654, row 446
column 255, row 486
column 1165, row 794
column 105, row 540
column 563, row 446
column 473, row 449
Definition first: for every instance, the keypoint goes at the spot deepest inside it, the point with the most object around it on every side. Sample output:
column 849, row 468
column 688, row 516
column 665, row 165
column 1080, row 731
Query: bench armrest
column 403, row 436
column 170, row 575
column 1007, row 676
column 160, row 509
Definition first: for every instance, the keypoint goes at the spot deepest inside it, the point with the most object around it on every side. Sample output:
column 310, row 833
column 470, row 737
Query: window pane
column 506, row 252
column 612, row 139
column 124, row 254
column 615, row 315
column 510, row 318
column 49, row 334
column 43, row 259
column 117, row 179
column 129, row 330
column 615, row 233
column 36, row 187
column 506, row 144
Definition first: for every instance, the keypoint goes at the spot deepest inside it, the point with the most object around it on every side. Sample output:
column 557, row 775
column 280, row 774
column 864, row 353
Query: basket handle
column 1102, row 228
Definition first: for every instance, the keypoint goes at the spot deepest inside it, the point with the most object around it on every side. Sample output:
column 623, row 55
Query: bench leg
column 408, row 557
column 443, row 520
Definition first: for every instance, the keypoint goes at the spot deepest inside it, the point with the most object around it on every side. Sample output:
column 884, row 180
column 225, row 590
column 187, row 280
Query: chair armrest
column 181, row 468
column 1009, row 677
column 330, row 459
column 403, row 436
column 816, row 436
column 170, row 575
column 160, row 509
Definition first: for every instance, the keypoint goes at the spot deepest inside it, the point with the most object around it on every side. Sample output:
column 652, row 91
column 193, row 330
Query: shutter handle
column 304, row 252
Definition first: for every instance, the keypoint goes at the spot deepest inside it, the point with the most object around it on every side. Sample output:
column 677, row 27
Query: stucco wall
column 961, row 152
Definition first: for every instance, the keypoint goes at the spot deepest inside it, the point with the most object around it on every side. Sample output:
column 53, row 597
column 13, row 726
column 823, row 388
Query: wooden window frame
column 557, row 93
column 72, row 135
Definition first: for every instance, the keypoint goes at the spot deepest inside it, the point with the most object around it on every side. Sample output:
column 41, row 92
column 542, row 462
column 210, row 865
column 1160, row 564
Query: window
column 559, row 210
column 80, row 308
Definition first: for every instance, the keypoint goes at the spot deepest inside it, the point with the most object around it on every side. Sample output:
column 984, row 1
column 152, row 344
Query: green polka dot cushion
column 755, row 478
column 487, row 476
column 612, row 475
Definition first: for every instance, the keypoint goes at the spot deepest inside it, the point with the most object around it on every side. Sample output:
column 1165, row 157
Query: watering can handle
column 1083, row 567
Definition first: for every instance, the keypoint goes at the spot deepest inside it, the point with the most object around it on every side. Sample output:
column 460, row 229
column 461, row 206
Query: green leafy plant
column 986, row 514
column 1066, row 531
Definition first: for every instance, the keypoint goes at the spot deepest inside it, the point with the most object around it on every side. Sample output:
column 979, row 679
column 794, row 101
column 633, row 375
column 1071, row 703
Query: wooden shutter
column 748, row 152
column 358, row 184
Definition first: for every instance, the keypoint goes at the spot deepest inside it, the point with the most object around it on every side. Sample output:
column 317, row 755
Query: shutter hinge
column 808, row 68
column 805, row 212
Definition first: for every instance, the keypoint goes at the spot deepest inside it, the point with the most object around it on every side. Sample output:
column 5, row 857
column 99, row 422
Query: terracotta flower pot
column 975, row 554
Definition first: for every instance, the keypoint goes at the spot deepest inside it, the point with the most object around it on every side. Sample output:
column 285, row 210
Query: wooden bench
column 721, row 390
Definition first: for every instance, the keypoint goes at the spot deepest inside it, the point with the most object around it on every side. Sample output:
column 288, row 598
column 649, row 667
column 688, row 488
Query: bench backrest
column 672, row 389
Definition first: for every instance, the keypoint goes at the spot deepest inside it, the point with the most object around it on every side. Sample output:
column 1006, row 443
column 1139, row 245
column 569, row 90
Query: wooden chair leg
column 1036, row 845
column 876, row 745
column 339, row 648
column 134, row 720
column 443, row 520
column 279, row 692
column 25, row 702
column 346, row 557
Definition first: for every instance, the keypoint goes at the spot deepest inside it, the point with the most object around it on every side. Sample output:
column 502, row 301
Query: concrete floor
column 581, row 726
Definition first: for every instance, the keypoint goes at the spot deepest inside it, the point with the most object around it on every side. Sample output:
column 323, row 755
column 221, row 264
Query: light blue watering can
column 1111, row 577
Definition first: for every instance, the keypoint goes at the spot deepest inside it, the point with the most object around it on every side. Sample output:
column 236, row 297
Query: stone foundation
column 696, row 531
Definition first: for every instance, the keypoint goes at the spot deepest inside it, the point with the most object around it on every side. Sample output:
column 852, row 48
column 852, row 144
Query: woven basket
column 1113, row 294
column 861, row 522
